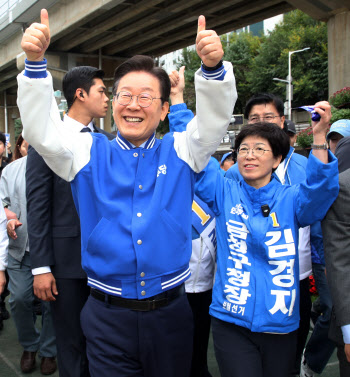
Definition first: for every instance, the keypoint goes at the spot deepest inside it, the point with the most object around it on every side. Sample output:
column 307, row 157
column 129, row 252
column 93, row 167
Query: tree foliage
column 309, row 68
column 257, row 60
column 192, row 62
column 242, row 50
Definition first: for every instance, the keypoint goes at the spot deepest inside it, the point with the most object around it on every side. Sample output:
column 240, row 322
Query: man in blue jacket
column 133, row 196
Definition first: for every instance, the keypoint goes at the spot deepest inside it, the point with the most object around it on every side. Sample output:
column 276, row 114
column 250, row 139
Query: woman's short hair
column 277, row 138
column 142, row 63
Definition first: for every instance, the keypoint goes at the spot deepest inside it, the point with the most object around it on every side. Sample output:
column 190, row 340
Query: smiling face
column 135, row 123
column 257, row 171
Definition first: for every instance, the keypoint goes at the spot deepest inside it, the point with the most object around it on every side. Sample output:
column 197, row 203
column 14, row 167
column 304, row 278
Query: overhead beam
column 185, row 19
column 108, row 24
column 164, row 49
column 8, row 85
column 215, row 23
column 141, row 24
column 66, row 16
column 322, row 9
column 9, row 74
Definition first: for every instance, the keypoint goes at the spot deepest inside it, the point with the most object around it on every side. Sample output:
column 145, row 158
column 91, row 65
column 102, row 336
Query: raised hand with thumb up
column 208, row 45
column 36, row 38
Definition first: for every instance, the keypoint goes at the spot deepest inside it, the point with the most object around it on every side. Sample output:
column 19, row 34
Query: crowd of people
column 137, row 247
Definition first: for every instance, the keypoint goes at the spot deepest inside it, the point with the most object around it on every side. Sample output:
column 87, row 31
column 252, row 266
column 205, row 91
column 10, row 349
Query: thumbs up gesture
column 36, row 38
column 208, row 45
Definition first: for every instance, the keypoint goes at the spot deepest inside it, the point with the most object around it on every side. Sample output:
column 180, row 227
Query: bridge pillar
column 338, row 51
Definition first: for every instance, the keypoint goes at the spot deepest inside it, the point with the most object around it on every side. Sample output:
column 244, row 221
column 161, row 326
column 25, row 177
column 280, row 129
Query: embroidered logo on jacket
column 238, row 210
column 161, row 170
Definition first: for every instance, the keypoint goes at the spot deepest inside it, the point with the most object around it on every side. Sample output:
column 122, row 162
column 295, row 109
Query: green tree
column 242, row 50
column 309, row 68
column 192, row 62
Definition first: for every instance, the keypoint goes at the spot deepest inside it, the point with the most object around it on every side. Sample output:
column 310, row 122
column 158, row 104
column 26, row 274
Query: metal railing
column 6, row 6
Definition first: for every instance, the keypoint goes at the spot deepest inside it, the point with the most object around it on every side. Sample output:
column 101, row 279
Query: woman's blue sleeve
column 179, row 117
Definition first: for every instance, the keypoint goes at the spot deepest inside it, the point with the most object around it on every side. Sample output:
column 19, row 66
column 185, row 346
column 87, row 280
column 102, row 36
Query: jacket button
column 143, row 283
column 142, row 274
column 140, row 187
column 143, row 293
column 135, row 154
column 139, row 242
column 139, row 214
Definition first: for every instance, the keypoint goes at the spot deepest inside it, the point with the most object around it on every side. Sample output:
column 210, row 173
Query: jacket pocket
column 177, row 229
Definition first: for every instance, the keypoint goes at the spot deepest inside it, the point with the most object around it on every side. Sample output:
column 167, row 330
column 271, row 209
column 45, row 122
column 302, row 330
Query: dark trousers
column 126, row 343
column 304, row 325
column 243, row 353
column 200, row 303
column 320, row 348
column 70, row 340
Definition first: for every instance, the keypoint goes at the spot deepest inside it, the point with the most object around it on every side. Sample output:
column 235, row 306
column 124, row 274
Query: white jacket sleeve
column 64, row 151
column 215, row 101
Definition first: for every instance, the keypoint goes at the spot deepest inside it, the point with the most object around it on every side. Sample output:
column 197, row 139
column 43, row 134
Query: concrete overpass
column 105, row 32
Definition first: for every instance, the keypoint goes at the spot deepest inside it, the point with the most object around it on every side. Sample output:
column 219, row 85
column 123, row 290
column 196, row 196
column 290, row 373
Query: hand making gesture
column 208, row 45
column 36, row 38
column 177, row 80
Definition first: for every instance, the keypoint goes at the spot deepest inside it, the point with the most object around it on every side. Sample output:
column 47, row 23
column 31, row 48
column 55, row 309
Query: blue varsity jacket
column 134, row 204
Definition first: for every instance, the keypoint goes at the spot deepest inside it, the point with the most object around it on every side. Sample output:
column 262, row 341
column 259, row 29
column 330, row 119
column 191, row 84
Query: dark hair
column 261, row 99
column 3, row 138
column 234, row 155
column 142, row 63
column 17, row 152
column 277, row 138
column 79, row 77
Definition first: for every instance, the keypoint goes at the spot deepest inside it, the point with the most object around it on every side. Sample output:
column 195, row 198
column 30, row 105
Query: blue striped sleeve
column 218, row 74
column 35, row 70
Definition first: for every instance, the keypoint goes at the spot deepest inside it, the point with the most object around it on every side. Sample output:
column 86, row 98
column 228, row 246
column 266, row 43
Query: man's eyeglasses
column 143, row 99
column 267, row 118
column 257, row 151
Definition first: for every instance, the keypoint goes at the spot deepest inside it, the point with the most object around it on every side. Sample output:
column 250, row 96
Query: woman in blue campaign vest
column 255, row 305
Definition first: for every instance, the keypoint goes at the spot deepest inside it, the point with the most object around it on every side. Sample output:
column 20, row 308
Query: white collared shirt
column 77, row 127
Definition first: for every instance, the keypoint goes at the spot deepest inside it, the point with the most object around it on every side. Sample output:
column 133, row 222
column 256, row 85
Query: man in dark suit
column 336, row 239
column 54, row 227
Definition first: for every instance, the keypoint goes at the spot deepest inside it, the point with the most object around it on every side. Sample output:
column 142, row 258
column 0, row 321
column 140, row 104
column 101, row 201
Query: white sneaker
column 305, row 370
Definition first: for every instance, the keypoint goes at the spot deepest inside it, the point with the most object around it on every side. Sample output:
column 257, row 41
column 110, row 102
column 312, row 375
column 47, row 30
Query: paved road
column 10, row 353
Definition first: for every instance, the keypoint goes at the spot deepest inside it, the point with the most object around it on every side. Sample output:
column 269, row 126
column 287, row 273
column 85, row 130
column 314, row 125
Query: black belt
column 145, row 305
